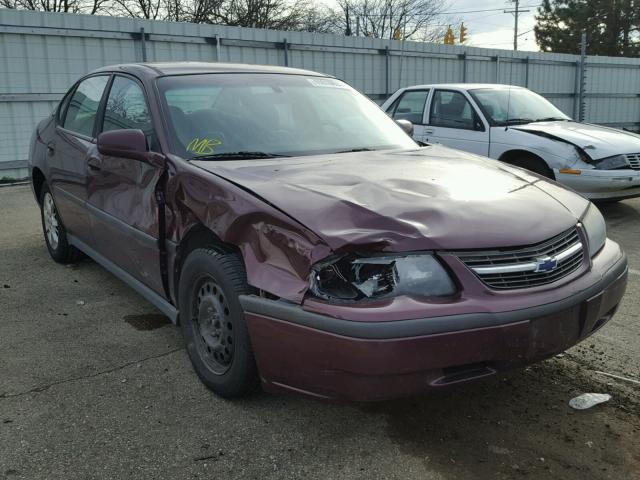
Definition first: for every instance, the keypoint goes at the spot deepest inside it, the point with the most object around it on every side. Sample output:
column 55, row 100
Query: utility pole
column 583, row 80
column 516, row 11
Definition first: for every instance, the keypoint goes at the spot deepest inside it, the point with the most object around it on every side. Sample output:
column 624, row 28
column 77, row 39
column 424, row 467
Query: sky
column 494, row 29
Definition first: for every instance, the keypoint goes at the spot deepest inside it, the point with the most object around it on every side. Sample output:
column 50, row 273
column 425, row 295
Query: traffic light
column 463, row 33
column 449, row 37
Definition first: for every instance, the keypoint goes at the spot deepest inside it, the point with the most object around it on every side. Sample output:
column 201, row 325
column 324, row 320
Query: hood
column 599, row 142
column 431, row 198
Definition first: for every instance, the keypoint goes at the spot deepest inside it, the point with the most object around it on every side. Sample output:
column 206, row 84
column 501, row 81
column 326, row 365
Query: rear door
column 122, row 192
column 69, row 150
column 454, row 121
column 411, row 105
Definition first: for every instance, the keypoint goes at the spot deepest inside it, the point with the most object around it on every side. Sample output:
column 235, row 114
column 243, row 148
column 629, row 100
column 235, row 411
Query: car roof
column 150, row 70
column 463, row 86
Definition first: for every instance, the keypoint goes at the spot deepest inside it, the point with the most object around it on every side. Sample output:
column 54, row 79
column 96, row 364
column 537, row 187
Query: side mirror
column 124, row 143
column 406, row 125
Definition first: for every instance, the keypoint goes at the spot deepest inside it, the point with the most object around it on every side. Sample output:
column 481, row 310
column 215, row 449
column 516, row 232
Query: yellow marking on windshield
column 203, row 146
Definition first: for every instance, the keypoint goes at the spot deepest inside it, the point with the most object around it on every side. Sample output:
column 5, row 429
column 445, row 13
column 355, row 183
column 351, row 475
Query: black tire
column 55, row 235
column 212, row 322
column 533, row 164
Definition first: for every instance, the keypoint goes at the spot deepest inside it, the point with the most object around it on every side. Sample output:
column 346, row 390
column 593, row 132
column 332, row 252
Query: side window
column 83, row 106
column 410, row 106
column 453, row 110
column 62, row 108
column 127, row 108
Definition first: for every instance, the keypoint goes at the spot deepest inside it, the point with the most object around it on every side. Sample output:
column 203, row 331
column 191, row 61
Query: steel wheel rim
column 51, row 223
column 213, row 326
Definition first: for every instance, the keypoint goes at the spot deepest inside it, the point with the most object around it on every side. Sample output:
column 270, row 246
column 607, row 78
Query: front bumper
column 603, row 184
column 329, row 357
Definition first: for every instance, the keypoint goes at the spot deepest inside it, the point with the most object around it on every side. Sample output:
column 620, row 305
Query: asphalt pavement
column 95, row 384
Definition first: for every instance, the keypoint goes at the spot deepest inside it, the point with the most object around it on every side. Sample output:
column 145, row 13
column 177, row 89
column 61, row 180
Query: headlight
column 351, row 277
column 611, row 163
column 595, row 228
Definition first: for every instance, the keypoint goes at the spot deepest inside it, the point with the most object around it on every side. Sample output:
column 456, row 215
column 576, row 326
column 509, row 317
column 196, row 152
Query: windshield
column 508, row 106
column 232, row 116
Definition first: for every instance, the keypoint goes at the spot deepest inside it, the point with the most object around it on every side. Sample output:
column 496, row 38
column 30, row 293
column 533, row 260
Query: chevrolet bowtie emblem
column 546, row 264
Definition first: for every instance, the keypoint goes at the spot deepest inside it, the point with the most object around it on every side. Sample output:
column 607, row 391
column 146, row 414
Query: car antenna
column 506, row 127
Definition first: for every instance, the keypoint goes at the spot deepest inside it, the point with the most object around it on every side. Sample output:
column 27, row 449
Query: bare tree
column 149, row 9
column 318, row 19
column 43, row 5
column 403, row 19
column 274, row 14
column 91, row 7
column 193, row 11
column 400, row 19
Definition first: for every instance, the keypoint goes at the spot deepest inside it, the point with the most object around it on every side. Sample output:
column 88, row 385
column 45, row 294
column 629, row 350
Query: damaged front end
column 590, row 153
column 355, row 277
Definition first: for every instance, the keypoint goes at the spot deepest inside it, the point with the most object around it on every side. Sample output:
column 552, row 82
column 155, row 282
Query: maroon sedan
column 302, row 240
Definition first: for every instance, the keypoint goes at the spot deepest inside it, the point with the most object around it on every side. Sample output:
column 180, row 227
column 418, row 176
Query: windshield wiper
column 551, row 119
column 517, row 121
column 237, row 156
column 363, row 149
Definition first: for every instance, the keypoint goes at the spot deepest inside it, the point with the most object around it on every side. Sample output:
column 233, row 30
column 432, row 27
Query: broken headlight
column 352, row 277
column 611, row 163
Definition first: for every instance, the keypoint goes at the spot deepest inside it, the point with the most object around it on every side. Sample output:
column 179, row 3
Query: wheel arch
column 37, row 181
column 198, row 236
column 513, row 156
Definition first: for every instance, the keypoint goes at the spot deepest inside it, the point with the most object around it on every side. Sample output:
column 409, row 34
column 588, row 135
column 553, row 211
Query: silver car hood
column 597, row 141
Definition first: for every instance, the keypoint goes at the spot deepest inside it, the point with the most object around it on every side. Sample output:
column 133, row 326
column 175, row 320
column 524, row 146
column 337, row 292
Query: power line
column 484, row 10
column 516, row 13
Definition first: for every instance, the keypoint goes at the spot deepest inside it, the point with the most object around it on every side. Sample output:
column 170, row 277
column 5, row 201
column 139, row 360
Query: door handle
column 428, row 130
column 94, row 164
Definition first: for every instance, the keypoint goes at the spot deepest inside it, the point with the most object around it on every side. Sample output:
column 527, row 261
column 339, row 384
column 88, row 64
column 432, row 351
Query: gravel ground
column 94, row 383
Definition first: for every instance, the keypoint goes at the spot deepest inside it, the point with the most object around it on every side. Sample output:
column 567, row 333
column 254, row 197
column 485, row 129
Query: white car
column 518, row 126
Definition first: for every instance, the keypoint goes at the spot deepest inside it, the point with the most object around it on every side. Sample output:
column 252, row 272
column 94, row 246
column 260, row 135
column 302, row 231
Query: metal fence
column 42, row 54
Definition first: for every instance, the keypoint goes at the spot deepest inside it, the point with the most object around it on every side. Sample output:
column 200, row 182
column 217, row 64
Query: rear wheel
column 533, row 164
column 55, row 235
column 212, row 322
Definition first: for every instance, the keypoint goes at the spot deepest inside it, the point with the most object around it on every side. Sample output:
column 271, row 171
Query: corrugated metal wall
column 42, row 54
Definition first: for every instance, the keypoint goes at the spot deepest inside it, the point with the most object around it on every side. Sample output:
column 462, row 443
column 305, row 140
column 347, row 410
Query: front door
column 122, row 192
column 454, row 122
column 68, row 153
column 411, row 106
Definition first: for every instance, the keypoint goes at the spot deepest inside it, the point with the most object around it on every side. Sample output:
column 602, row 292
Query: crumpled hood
column 599, row 142
column 430, row 198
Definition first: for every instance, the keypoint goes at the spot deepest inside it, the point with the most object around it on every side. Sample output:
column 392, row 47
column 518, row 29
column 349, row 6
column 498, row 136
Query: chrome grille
column 634, row 160
column 510, row 268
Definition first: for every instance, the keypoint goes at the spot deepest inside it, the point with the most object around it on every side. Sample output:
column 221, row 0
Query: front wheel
column 212, row 322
